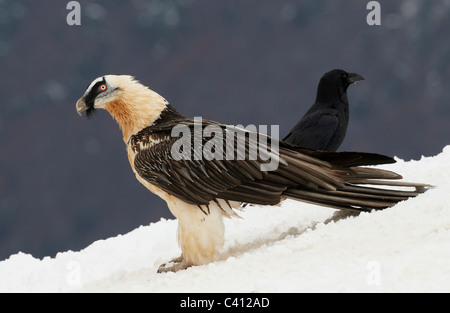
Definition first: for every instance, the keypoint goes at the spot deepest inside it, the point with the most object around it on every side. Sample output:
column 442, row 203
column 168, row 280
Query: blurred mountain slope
column 65, row 181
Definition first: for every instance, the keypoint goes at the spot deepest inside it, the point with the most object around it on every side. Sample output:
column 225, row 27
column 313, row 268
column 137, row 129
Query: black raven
column 324, row 126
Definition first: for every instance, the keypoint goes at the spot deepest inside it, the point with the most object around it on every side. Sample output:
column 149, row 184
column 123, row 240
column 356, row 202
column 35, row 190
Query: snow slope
column 295, row 247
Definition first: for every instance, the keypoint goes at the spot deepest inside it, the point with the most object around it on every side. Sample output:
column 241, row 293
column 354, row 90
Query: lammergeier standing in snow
column 200, row 192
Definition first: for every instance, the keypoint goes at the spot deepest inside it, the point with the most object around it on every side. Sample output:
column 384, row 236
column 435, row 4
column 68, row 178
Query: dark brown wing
column 198, row 181
column 329, row 179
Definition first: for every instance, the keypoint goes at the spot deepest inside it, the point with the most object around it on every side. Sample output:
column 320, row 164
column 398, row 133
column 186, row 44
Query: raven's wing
column 314, row 131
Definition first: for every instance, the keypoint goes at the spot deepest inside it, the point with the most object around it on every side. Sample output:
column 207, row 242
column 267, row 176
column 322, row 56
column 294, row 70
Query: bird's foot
column 174, row 265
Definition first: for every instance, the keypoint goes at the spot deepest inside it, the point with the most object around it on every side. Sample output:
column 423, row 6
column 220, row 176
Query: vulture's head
column 133, row 105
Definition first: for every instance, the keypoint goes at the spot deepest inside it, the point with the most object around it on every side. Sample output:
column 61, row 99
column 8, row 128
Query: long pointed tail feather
column 359, row 198
column 356, row 188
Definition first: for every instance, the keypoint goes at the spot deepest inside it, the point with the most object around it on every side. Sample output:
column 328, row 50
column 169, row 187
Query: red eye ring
column 102, row 87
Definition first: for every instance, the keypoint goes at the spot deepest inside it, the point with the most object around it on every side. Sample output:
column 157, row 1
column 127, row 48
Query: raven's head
column 341, row 78
column 334, row 84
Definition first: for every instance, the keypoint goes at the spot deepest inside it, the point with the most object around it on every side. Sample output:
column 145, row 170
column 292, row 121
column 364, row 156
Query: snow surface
column 295, row 247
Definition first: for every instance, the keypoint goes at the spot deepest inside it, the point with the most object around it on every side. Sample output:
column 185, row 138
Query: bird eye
column 344, row 75
column 102, row 87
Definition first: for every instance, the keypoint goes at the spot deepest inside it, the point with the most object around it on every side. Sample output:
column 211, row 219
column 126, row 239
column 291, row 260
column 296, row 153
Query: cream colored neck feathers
column 134, row 105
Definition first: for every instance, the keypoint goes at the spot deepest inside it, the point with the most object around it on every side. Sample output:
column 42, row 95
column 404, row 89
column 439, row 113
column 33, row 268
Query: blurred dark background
column 65, row 181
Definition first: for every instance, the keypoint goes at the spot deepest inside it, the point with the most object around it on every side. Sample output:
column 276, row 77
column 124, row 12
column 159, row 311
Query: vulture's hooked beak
column 81, row 106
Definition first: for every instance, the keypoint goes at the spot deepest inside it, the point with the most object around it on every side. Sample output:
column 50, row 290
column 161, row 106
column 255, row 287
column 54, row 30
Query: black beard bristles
column 90, row 112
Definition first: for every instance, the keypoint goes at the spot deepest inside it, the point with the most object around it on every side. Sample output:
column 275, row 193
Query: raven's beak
column 353, row 78
column 81, row 106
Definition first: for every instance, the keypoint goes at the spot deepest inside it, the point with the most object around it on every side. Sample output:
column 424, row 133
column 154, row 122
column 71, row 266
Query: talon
column 174, row 265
